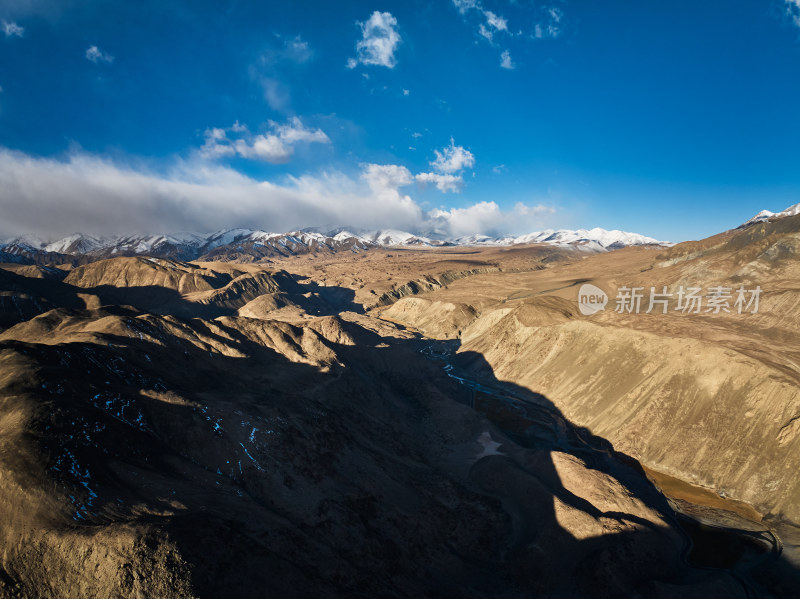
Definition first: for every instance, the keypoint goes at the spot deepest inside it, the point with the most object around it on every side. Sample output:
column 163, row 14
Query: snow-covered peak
column 476, row 239
column 790, row 211
column 597, row 239
column 760, row 217
column 616, row 238
column 137, row 244
column 343, row 235
column 226, row 236
column 390, row 237
column 262, row 236
column 765, row 215
column 23, row 242
column 233, row 243
column 77, row 243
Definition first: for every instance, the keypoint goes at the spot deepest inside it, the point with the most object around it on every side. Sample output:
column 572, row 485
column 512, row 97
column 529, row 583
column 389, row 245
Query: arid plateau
column 405, row 421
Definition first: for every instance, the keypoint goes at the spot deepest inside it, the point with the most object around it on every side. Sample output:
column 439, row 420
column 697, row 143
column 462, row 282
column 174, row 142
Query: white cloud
column 96, row 55
column 452, row 159
column 269, row 68
column 551, row 26
column 216, row 144
column 505, row 60
column 297, row 50
column 294, row 131
column 276, row 146
column 276, row 93
column 443, row 183
column 386, row 176
column 464, row 5
column 10, row 28
column 793, row 10
column 466, row 221
column 448, row 166
column 488, row 218
column 269, row 148
column 379, row 41
column 495, row 21
column 291, row 50
column 86, row 193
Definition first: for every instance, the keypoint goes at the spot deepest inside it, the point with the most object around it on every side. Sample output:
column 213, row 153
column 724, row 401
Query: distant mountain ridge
column 766, row 215
column 596, row 239
column 253, row 245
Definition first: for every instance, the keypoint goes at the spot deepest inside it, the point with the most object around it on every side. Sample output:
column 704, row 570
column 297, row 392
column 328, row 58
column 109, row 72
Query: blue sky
column 676, row 120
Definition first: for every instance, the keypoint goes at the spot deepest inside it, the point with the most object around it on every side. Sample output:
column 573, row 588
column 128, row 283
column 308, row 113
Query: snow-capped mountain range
column 254, row 245
column 592, row 239
column 765, row 215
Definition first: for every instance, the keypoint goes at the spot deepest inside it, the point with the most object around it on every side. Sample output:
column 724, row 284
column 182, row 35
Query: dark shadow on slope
column 533, row 421
column 40, row 295
column 370, row 477
column 327, row 300
column 22, row 298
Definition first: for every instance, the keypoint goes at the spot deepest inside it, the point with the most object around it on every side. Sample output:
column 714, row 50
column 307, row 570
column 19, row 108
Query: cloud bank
column 489, row 219
column 85, row 193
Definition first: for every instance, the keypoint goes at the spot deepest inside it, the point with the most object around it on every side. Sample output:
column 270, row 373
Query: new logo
column 591, row 299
